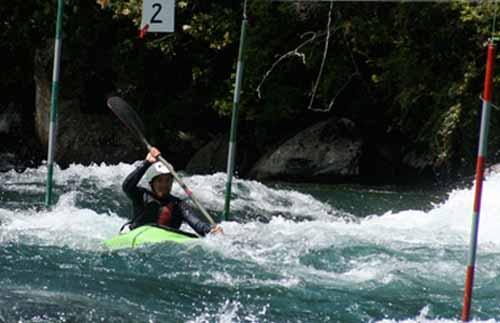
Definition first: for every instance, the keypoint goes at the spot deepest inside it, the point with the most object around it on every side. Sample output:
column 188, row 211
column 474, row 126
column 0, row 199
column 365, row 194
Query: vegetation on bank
column 408, row 73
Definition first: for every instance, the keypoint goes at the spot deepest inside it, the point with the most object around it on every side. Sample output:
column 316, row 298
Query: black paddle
column 129, row 118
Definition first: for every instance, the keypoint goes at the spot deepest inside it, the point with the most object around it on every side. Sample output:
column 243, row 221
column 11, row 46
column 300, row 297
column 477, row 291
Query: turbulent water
column 291, row 254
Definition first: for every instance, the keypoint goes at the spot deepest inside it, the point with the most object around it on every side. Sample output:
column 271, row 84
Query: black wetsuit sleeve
column 189, row 215
column 129, row 185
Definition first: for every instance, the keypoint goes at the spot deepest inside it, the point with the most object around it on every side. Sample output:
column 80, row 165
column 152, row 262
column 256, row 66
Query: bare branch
column 294, row 52
column 355, row 73
column 297, row 53
column 325, row 53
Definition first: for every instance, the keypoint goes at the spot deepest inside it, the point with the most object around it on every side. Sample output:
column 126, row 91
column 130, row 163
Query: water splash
column 286, row 242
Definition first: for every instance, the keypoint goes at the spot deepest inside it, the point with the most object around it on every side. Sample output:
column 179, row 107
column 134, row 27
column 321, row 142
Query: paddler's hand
column 152, row 155
column 217, row 229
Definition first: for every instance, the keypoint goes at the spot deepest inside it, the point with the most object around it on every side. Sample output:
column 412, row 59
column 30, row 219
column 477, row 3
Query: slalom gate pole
column 481, row 157
column 53, row 105
column 234, row 118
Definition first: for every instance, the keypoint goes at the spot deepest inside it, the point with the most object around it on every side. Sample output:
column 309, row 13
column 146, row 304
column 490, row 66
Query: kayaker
column 158, row 206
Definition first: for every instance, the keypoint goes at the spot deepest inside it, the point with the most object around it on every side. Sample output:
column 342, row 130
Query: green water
column 295, row 253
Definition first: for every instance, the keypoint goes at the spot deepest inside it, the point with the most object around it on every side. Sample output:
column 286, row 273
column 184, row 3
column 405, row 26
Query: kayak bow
column 148, row 234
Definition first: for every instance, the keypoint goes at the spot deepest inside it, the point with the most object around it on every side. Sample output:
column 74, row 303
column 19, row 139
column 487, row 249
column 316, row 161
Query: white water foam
column 104, row 175
column 446, row 224
column 393, row 239
column 424, row 317
column 229, row 312
column 256, row 197
column 443, row 232
column 281, row 241
column 64, row 225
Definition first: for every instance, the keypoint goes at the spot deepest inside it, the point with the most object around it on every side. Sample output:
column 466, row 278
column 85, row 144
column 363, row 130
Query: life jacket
column 155, row 211
column 165, row 216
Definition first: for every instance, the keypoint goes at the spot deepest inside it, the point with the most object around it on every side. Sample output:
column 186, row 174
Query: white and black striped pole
column 53, row 104
column 234, row 118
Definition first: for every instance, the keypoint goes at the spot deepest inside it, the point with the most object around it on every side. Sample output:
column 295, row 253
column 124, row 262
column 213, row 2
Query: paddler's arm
column 202, row 228
column 129, row 186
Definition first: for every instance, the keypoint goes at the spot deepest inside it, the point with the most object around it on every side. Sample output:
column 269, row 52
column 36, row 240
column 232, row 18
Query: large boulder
column 329, row 150
column 82, row 137
column 8, row 161
column 10, row 120
column 18, row 150
column 213, row 157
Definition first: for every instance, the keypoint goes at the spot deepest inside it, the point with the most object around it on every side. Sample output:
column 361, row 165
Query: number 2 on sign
column 159, row 15
column 158, row 9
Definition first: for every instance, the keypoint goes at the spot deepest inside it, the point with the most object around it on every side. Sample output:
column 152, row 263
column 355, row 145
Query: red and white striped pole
column 481, row 157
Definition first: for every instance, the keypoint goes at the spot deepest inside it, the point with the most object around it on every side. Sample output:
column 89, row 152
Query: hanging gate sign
column 158, row 15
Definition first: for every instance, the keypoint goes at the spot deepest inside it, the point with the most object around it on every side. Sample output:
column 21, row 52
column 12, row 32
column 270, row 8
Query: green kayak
column 148, row 234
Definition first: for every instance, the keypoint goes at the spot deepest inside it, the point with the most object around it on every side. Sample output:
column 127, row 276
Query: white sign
column 159, row 15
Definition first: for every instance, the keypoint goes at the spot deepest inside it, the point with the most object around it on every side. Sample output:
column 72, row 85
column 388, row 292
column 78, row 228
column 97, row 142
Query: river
column 290, row 253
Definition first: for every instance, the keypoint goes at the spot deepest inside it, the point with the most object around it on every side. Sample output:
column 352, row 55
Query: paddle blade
column 128, row 116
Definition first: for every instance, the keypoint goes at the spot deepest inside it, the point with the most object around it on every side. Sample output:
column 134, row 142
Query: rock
column 329, row 150
column 81, row 137
column 417, row 161
column 19, row 148
column 8, row 161
column 213, row 157
column 92, row 138
column 10, row 120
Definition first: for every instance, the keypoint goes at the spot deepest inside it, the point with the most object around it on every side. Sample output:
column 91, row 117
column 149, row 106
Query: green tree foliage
column 412, row 70
column 22, row 25
column 417, row 67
